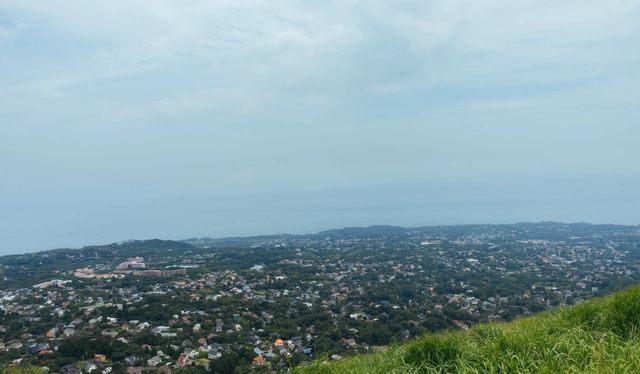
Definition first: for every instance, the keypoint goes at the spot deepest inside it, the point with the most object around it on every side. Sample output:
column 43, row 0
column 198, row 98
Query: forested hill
column 31, row 268
column 115, row 251
column 522, row 231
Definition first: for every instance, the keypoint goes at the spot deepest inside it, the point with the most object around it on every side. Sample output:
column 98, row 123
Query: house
column 99, row 357
column 187, row 343
column 348, row 342
column 219, row 325
column 70, row 369
column 13, row 345
column 39, row 348
column 160, row 329
column 154, row 361
column 43, row 349
column 68, row 332
column 132, row 360
column 307, row 351
column 213, row 354
column 89, row 366
column 191, row 353
column 110, row 333
column 258, row 361
column 52, row 333
column 461, row 325
column 183, row 360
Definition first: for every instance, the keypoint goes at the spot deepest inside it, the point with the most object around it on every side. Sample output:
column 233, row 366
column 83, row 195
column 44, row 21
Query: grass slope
column 598, row 336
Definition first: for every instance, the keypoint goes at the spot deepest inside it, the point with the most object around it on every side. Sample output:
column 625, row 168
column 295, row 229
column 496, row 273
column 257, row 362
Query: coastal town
column 270, row 303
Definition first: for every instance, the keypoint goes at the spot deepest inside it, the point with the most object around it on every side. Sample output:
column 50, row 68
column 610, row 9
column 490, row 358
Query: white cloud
column 236, row 95
column 333, row 45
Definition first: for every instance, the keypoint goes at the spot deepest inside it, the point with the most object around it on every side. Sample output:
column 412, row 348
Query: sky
column 128, row 119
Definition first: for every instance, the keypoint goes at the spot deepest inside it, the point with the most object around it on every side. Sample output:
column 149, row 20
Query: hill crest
column 598, row 336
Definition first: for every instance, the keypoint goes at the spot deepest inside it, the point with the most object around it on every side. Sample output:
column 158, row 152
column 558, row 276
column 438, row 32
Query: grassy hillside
column 598, row 336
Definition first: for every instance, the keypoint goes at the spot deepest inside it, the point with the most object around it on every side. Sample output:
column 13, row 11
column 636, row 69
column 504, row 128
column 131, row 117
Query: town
column 270, row 303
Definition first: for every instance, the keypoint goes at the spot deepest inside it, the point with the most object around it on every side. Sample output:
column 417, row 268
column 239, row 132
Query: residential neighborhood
column 265, row 304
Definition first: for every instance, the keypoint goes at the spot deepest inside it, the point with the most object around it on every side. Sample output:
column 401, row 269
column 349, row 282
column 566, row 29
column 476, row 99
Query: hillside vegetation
column 598, row 336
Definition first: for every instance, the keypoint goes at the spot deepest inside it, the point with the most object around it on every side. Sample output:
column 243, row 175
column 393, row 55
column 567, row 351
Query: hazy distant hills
column 120, row 250
column 67, row 257
column 524, row 231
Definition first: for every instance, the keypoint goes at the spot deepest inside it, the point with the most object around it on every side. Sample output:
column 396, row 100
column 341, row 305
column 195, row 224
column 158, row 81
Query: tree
column 22, row 369
column 225, row 364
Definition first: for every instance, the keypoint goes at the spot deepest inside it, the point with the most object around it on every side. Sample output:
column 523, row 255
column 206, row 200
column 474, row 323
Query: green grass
column 599, row 336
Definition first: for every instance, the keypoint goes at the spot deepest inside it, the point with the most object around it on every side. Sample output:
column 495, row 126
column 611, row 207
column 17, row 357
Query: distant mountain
column 36, row 267
column 108, row 253
column 368, row 231
column 239, row 241
column 524, row 230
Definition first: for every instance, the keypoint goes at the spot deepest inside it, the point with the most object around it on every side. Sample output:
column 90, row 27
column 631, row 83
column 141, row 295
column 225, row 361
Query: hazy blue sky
column 137, row 119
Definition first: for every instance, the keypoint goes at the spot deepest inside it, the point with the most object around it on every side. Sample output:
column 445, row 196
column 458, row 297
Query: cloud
column 115, row 101
column 141, row 60
column 379, row 47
